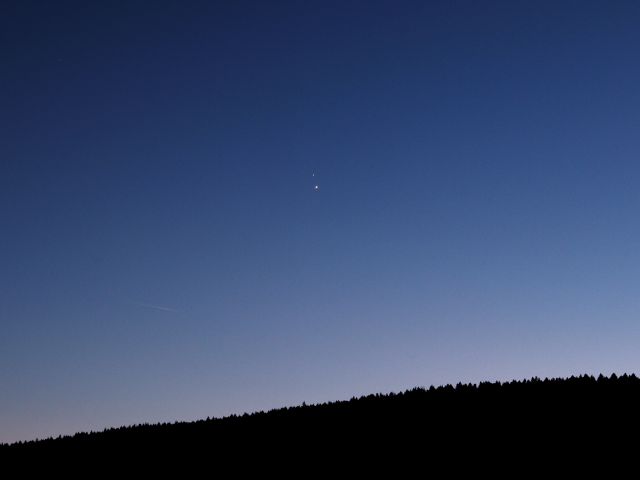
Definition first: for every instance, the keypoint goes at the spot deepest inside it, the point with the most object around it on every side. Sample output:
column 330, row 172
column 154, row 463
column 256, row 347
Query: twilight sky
column 476, row 216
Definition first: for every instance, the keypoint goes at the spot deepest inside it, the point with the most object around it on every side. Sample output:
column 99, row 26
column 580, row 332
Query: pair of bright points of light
column 313, row 175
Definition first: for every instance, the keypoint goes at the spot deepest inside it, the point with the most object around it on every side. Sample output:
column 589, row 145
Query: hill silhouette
column 490, row 425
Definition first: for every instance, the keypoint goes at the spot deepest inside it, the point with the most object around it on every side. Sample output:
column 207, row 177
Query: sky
column 209, row 208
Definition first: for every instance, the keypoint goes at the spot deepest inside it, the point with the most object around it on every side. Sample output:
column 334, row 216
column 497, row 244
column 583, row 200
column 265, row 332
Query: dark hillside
column 466, row 424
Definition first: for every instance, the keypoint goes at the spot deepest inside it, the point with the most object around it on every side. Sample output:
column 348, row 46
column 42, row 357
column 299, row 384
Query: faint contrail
column 155, row 306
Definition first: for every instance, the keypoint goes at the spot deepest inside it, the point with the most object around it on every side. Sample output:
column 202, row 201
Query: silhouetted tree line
column 490, row 425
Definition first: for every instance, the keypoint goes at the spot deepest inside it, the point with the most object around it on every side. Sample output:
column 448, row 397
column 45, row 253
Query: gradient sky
column 476, row 216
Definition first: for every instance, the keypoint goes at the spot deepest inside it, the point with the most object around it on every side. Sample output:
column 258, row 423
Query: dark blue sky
column 476, row 216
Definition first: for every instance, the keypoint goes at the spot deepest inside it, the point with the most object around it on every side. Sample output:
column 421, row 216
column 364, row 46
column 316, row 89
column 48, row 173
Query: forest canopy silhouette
column 516, row 419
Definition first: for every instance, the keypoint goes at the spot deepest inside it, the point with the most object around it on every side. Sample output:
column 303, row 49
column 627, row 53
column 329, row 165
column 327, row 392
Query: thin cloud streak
column 155, row 306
